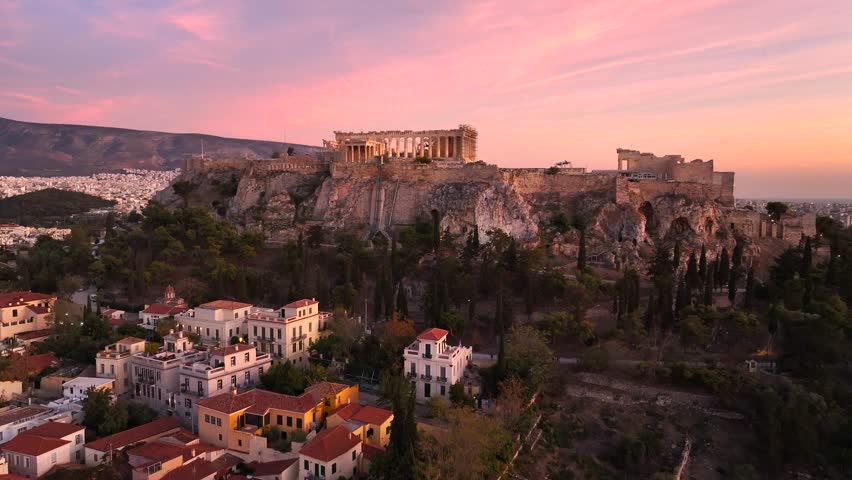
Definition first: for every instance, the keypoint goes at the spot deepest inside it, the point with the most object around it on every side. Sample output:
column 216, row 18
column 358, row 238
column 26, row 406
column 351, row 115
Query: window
column 263, row 332
column 14, row 312
column 52, row 459
column 102, row 368
column 259, row 372
column 240, row 443
column 247, row 356
column 413, row 368
column 443, row 390
column 298, row 423
column 233, row 360
column 233, row 380
column 279, row 334
column 218, row 422
column 289, row 421
column 208, row 332
column 255, row 330
column 307, row 465
column 333, row 468
column 78, row 439
column 310, row 326
column 188, row 403
column 206, row 418
column 248, row 378
column 387, row 430
column 280, row 420
column 427, row 390
column 353, row 454
column 294, row 332
column 219, row 384
column 27, row 460
column 220, row 437
column 294, row 348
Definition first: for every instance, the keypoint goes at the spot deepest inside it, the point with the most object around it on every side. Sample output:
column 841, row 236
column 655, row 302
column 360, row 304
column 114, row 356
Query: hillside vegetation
column 45, row 205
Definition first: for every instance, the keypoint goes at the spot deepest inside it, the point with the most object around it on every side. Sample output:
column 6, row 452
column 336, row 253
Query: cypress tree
column 709, row 284
column 702, row 263
column 693, row 279
column 401, row 300
column 732, row 284
column 807, row 259
column 749, row 293
column 651, row 312
column 682, row 296
column 676, row 256
column 724, row 270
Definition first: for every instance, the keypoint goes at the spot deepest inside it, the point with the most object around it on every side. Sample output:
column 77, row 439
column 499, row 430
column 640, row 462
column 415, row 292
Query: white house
column 34, row 452
column 333, row 453
column 434, row 365
column 78, row 388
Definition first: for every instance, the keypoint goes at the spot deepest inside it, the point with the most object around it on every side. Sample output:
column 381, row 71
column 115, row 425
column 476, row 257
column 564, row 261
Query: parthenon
column 458, row 144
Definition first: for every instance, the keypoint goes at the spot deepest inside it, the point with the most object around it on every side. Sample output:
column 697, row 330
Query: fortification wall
column 694, row 171
column 698, row 192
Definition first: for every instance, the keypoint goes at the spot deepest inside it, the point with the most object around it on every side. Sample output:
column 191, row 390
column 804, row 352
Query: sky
column 763, row 87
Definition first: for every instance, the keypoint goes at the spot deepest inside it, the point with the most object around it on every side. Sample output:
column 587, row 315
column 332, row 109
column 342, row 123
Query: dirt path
column 684, row 460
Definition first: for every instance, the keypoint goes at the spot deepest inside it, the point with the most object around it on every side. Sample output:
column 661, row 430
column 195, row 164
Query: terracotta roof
column 363, row 413
column 224, row 305
column 11, row 476
column 271, row 468
column 110, row 311
column 301, row 303
column 23, row 365
column 231, row 349
column 38, row 310
column 372, row 415
column 35, row 445
column 13, row 299
column 433, row 334
column 161, row 450
column 322, row 390
column 184, row 436
column 330, row 444
column 17, row 413
column 158, row 427
column 55, row 429
column 258, row 402
column 129, row 340
column 370, row 452
column 160, row 309
column 33, row 334
column 201, row 469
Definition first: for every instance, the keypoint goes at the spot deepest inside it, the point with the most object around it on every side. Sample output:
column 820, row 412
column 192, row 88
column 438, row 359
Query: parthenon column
column 459, row 148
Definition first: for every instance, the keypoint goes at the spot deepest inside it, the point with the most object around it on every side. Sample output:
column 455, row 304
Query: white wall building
column 333, row 453
column 15, row 420
column 114, row 362
column 434, row 365
column 78, row 388
column 215, row 322
column 287, row 333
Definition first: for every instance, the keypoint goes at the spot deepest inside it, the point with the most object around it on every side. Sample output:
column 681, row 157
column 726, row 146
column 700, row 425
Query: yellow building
column 236, row 420
column 372, row 424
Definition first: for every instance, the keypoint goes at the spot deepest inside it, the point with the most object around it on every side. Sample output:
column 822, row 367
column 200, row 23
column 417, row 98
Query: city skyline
column 761, row 87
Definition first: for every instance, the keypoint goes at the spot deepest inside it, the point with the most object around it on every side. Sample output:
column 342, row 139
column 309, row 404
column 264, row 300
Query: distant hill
column 53, row 149
column 44, row 206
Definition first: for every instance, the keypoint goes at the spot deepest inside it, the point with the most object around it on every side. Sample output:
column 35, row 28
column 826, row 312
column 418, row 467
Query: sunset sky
column 764, row 87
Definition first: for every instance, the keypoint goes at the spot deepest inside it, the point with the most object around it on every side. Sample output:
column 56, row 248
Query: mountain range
column 31, row 149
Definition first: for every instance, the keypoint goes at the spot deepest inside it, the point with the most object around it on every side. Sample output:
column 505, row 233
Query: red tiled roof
column 231, row 349
column 158, row 427
column 370, row 451
column 301, row 303
column 372, row 415
column 330, row 444
column 31, row 363
column 433, row 334
column 13, row 299
column 363, row 413
column 55, row 429
column 201, row 469
column 157, row 451
column 224, row 305
column 325, row 389
column 38, row 310
column 258, row 401
column 34, row 445
column 271, row 468
column 109, row 311
column 160, row 309
column 33, row 334
column 184, row 436
column 18, row 413
column 11, row 476
column 130, row 340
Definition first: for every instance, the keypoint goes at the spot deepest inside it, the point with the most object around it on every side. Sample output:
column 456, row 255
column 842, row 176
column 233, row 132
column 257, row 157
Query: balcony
column 427, row 355
column 426, row 377
column 442, row 379
column 411, row 374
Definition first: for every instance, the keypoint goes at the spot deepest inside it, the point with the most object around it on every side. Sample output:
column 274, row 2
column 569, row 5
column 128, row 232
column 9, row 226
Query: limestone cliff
column 624, row 219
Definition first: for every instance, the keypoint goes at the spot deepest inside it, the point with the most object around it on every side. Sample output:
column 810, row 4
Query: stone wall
column 695, row 171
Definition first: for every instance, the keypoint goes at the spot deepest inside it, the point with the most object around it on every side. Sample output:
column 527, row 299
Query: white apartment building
column 155, row 377
column 333, row 453
column 236, row 366
column 34, row 453
column 152, row 314
column 287, row 333
column 215, row 322
column 15, row 420
column 114, row 362
column 434, row 365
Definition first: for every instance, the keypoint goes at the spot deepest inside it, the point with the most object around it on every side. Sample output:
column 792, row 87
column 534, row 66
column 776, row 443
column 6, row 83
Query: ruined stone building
column 457, row 144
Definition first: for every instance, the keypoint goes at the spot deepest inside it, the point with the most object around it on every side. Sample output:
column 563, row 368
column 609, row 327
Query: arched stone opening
column 708, row 225
column 647, row 211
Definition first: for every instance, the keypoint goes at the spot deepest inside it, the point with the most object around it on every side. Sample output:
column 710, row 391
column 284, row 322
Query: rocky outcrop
column 623, row 223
